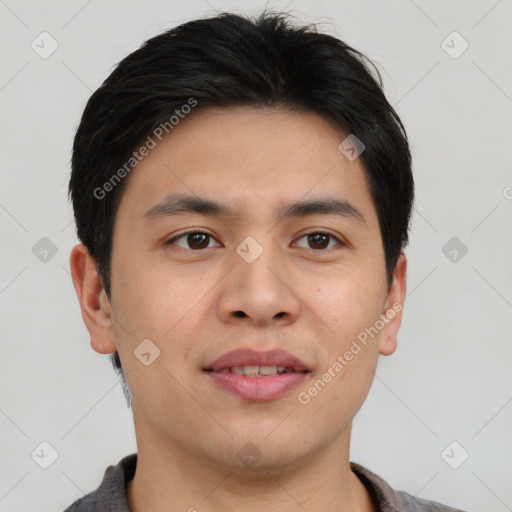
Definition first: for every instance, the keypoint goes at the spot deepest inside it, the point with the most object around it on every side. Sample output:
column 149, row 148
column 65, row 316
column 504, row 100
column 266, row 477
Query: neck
column 173, row 479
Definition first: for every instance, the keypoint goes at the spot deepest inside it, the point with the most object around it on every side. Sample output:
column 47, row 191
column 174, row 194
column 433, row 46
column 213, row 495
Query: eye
column 320, row 240
column 196, row 239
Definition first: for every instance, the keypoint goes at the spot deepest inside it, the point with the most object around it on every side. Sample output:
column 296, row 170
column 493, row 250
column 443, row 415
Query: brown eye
column 196, row 240
column 320, row 240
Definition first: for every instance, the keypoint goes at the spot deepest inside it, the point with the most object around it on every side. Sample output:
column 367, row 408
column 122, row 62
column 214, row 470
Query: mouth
column 256, row 375
column 258, row 371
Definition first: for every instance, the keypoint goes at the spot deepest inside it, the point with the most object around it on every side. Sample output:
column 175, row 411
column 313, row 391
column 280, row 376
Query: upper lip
column 249, row 357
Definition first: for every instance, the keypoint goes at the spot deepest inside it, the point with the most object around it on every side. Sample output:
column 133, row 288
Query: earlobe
column 94, row 304
column 393, row 308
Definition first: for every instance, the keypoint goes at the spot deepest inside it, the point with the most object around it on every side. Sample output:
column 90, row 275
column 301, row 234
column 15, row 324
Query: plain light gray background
column 450, row 379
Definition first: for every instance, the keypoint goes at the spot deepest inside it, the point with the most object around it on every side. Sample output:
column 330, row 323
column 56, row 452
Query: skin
column 185, row 300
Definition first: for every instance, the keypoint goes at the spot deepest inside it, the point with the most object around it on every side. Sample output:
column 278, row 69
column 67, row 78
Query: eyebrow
column 180, row 204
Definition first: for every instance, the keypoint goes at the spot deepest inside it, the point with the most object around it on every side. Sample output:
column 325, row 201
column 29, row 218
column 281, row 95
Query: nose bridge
column 259, row 261
column 257, row 286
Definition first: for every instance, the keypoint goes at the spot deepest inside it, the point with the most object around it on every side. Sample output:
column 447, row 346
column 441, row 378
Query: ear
column 95, row 306
column 393, row 307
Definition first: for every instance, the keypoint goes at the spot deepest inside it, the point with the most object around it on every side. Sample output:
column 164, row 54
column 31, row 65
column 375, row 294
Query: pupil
column 196, row 238
column 316, row 239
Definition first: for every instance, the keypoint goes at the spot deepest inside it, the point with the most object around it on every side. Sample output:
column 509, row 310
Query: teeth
column 257, row 371
column 268, row 370
column 251, row 371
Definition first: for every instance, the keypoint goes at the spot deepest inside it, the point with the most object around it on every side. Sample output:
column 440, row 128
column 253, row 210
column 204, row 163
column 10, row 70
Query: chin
column 258, row 453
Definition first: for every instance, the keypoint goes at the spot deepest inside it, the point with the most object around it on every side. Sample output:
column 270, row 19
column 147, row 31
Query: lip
column 248, row 357
column 257, row 388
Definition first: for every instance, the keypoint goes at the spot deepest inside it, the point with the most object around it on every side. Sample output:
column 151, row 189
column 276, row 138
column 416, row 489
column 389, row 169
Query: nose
column 260, row 292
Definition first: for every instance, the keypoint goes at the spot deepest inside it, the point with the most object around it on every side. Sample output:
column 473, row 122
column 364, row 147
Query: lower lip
column 258, row 388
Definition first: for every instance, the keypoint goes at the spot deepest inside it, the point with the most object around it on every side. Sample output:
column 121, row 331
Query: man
column 243, row 191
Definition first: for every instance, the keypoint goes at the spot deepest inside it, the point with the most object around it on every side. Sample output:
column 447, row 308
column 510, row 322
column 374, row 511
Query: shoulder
column 408, row 503
column 389, row 500
column 110, row 496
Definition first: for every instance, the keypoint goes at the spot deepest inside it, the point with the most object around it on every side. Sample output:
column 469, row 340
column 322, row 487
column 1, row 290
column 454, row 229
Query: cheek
column 165, row 304
column 353, row 349
column 147, row 306
column 341, row 386
column 153, row 298
column 346, row 307
column 349, row 308
column 158, row 307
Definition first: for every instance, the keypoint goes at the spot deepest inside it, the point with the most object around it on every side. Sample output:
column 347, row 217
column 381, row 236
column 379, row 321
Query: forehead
column 254, row 159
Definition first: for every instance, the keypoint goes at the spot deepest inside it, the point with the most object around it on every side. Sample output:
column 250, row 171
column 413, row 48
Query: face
column 309, row 287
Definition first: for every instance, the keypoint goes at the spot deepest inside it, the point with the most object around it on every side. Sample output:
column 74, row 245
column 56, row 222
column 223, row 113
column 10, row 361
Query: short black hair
column 231, row 60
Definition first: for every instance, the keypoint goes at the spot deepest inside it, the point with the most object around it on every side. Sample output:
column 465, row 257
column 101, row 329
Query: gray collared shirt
column 110, row 496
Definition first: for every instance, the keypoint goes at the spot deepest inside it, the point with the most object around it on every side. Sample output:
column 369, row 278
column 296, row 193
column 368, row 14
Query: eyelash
column 194, row 231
